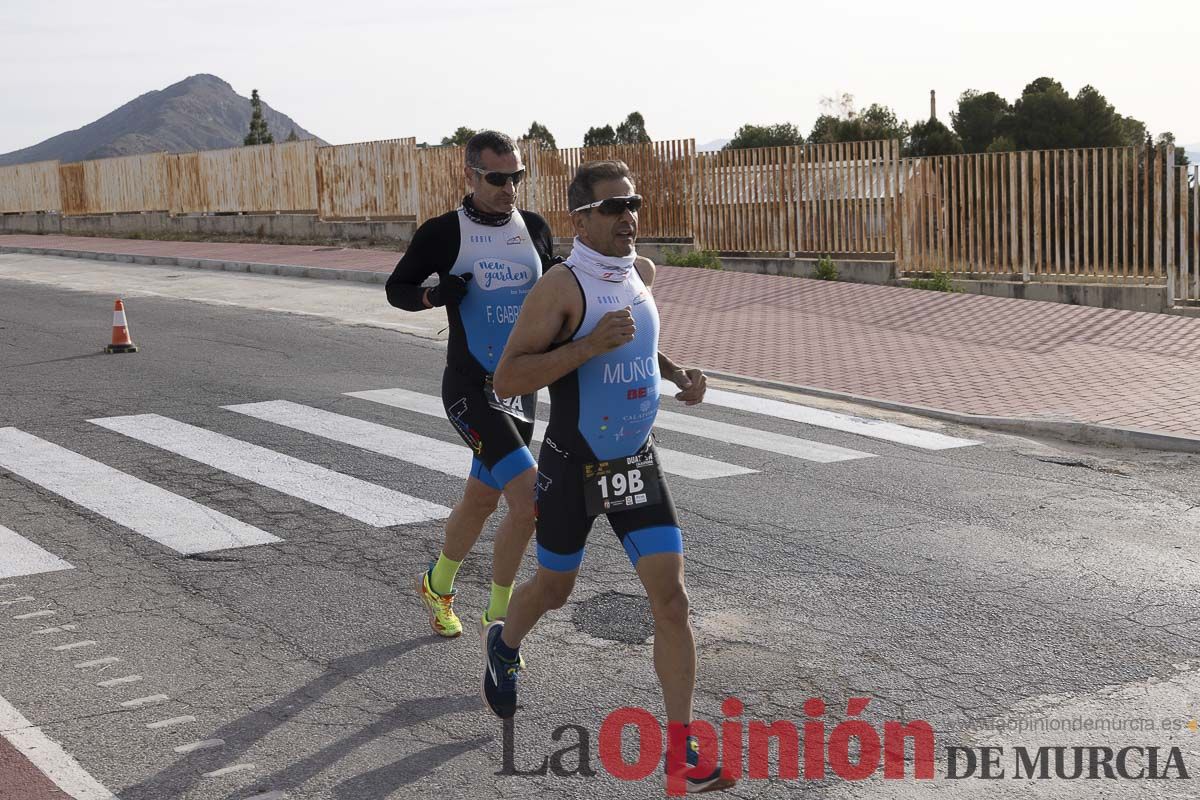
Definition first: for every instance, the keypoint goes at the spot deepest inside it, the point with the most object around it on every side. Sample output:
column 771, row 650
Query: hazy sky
column 355, row 71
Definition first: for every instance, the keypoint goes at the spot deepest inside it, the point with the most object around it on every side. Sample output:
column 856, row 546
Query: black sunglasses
column 613, row 206
column 501, row 178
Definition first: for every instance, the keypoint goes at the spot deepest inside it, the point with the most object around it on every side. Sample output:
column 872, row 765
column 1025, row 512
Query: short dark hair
column 499, row 143
column 583, row 186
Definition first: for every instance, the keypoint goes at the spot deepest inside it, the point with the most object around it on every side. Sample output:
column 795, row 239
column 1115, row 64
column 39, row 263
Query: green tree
column 932, row 138
column 460, row 137
column 632, row 130
column 981, row 118
column 259, row 133
column 1181, row 156
column 778, row 135
column 600, row 137
column 1133, row 132
column 292, row 137
column 879, row 122
column 542, row 135
column 1045, row 117
column 848, row 125
column 1002, row 144
column 1099, row 123
column 824, row 130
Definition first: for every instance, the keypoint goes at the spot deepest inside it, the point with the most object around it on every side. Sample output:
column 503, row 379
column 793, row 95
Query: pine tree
column 259, row 134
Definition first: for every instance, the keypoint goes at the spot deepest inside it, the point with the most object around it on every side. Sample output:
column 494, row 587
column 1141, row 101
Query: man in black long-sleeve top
column 487, row 255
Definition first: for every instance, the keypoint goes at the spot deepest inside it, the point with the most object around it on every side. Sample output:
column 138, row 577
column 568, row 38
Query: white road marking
column 674, row 462
column 819, row 417
column 49, row 757
column 145, row 701
column 15, row 600
column 120, row 681
column 168, row 723
column 19, row 556
column 758, row 439
column 227, row 770
column 194, row 746
column 35, row 614
column 357, row 499
column 75, row 645
column 275, row 795
column 99, row 662
column 176, row 522
column 423, row 451
column 59, row 629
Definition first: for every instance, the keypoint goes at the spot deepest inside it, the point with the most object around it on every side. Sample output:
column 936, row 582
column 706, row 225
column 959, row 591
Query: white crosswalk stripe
column 19, row 556
column 450, row 458
column 758, row 439
column 173, row 521
column 746, row 437
column 673, row 461
column 357, row 499
column 822, row 418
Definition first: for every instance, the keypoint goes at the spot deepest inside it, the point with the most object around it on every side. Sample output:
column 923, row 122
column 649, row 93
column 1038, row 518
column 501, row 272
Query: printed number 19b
column 620, row 485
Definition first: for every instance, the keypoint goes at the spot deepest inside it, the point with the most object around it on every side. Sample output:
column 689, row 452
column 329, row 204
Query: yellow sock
column 441, row 580
column 498, row 605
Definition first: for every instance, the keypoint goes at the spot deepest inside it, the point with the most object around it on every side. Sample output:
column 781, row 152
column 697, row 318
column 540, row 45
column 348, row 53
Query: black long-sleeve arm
column 434, row 248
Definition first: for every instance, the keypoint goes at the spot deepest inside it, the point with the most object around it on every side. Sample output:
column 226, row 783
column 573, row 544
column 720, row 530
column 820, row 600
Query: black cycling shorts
column 499, row 441
column 563, row 523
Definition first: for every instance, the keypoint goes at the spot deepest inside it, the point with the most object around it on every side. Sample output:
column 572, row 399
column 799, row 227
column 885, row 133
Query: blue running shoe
column 499, row 676
column 713, row 782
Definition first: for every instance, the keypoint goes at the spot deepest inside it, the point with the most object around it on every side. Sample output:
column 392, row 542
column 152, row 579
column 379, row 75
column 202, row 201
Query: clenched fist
column 614, row 329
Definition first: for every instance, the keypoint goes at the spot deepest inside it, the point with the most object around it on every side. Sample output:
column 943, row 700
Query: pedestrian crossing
column 188, row 527
column 355, row 498
column 173, row 521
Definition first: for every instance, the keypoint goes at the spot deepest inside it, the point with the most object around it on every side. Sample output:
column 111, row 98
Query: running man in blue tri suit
column 589, row 331
column 488, row 255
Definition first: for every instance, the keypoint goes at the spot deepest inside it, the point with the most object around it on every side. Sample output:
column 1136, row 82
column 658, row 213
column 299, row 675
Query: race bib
column 621, row 484
column 520, row 407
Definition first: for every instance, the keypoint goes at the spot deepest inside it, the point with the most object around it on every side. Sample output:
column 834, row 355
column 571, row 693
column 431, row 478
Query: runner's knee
column 670, row 607
column 555, row 589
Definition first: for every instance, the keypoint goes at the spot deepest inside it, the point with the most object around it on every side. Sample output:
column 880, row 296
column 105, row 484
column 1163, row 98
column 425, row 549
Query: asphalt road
column 1012, row 579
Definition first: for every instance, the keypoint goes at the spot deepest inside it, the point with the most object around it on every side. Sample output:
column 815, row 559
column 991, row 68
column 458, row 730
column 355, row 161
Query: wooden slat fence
column 1113, row 213
column 30, row 187
column 662, row 173
column 116, row 185
column 813, row 199
column 368, row 180
column 257, row 179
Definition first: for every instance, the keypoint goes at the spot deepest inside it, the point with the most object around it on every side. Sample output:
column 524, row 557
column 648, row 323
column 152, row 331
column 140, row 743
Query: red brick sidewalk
column 962, row 353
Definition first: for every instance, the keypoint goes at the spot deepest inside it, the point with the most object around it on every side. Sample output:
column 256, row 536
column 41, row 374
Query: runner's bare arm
column 692, row 382
column 528, row 363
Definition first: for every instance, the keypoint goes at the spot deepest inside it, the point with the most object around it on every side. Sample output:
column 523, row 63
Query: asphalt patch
column 616, row 617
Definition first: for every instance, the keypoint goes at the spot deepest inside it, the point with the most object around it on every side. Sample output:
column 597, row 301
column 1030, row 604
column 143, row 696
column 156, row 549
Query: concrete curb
column 284, row 270
column 1078, row 432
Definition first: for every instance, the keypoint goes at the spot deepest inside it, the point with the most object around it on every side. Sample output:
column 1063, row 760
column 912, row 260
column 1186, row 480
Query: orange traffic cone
column 121, row 343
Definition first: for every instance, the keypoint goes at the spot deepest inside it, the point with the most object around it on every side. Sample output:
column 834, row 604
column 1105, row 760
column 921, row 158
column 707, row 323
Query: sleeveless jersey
column 609, row 404
column 504, row 265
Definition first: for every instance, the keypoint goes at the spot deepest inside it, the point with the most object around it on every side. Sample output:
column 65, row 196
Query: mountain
column 715, row 144
column 202, row 112
column 1193, row 152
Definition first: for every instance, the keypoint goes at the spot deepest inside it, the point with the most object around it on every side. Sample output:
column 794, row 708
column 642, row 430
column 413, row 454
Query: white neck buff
column 606, row 268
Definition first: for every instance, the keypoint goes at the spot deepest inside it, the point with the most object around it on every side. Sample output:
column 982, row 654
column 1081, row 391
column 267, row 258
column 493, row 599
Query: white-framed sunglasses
column 612, row 206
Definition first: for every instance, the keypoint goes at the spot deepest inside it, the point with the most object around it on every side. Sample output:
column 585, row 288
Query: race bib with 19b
column 621, row 484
